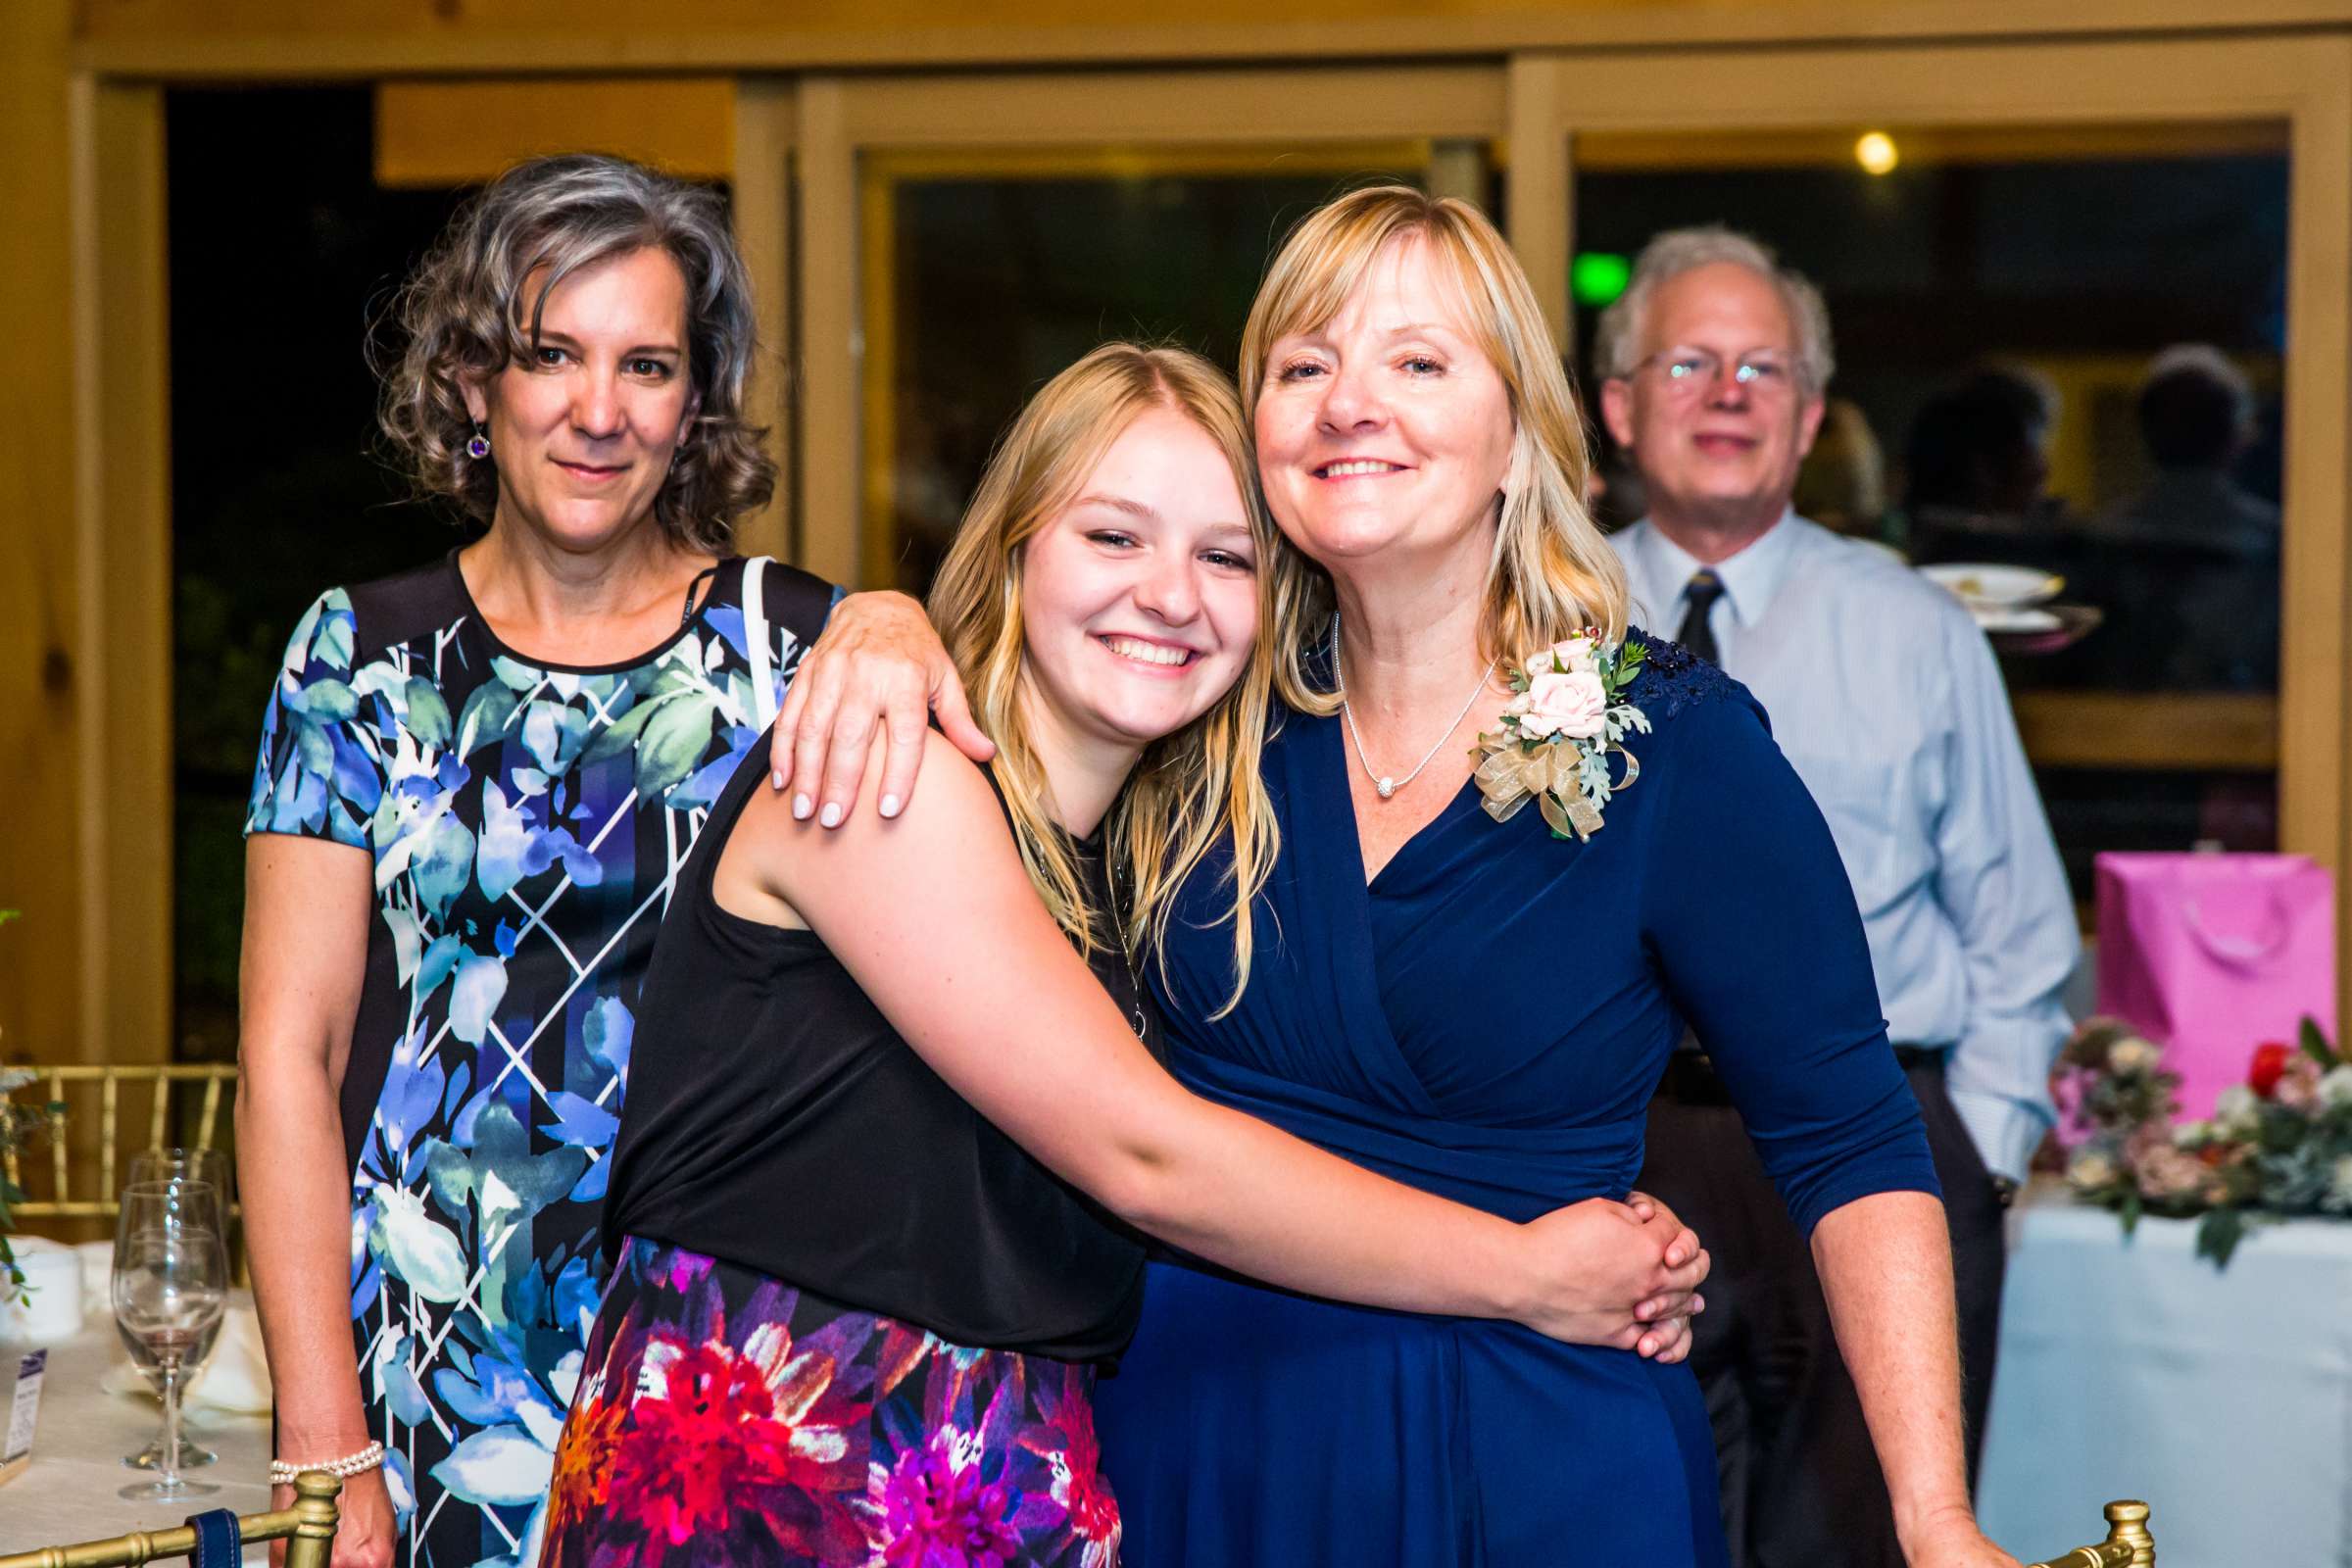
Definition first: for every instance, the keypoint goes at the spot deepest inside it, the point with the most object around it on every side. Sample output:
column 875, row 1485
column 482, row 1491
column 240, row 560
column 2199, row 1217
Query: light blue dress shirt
column 1886, row 698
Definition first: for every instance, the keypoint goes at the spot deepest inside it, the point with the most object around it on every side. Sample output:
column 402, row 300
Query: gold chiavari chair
column 161, row 1091
column 2127, row 1544
column 309, row 1528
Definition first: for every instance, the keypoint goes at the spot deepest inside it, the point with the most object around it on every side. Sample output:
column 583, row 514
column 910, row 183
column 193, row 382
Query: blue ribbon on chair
column 218, row 1543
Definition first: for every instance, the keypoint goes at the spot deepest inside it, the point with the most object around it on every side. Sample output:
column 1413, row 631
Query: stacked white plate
column 2003, row 599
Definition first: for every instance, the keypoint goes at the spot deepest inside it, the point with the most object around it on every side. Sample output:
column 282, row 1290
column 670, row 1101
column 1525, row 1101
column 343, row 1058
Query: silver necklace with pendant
column 1381, row 782
column 1118, row 926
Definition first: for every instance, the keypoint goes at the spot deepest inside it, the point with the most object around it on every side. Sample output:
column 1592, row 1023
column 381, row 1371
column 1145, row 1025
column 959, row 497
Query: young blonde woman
column 1482, row 1002
column 893, row 1106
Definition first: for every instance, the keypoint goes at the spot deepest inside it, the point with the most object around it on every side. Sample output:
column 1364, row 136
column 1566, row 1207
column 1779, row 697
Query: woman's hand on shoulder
column 1624, row 1275
column 843, row 881
column 878, row 660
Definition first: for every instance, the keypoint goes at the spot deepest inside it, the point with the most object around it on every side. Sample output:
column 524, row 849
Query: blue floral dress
column 526, row 823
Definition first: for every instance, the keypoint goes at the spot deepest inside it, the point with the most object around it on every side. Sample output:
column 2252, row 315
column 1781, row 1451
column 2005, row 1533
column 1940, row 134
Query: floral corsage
column 1558, row 733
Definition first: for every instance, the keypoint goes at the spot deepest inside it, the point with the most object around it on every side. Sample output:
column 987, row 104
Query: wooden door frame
column 121, row 583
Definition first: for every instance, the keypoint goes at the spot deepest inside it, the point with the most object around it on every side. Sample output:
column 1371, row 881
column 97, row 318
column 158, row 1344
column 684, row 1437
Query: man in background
column 1886, row 700
column 2196, row 414
column 2205, row 549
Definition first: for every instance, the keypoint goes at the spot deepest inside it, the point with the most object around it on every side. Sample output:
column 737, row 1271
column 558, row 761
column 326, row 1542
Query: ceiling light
column 1876, row 153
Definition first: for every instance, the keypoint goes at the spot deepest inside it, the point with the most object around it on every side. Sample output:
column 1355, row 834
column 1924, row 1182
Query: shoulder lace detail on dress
column 1673, row 678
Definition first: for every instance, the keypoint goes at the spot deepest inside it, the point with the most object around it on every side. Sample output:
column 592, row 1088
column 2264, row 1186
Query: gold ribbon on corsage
column 1569, row 712
column 1510, row 776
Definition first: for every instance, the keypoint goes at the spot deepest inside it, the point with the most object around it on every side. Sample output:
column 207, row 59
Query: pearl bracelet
column 282, row 1474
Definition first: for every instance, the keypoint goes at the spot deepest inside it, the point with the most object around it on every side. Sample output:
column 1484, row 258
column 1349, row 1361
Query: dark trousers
column 1800, row 1480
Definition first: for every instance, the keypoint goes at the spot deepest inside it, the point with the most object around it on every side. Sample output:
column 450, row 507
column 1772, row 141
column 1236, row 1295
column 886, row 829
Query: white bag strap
column 763, row 643
column 2242, row 953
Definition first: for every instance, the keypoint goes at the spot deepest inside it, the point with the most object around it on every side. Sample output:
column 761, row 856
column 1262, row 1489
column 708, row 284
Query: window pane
column 1999, row 299
column 986, row 275
column 278, row 488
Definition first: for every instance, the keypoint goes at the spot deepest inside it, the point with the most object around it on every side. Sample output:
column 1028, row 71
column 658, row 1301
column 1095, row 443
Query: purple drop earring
column 477, row 446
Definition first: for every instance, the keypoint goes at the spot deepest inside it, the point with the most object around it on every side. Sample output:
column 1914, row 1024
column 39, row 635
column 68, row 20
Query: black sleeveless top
column 777, row 1120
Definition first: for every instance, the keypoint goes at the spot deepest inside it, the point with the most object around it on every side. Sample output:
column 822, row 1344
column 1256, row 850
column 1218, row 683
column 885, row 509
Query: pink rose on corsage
column 1574, row 705
column 1570, row 656
column 1564, row 722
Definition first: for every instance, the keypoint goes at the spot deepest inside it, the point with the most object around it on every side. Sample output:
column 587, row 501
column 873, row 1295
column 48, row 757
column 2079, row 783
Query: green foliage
column 2219, row 1232
column 20, row 1125
column 2277, row 1145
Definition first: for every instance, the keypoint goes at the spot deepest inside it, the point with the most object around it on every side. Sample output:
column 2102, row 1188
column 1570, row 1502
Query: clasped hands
column 1624, row 1275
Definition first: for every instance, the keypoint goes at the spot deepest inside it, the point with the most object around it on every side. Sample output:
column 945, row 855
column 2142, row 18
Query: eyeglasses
column 1688, row 370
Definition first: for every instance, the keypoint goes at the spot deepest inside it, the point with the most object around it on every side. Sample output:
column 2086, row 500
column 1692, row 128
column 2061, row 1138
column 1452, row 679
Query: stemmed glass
column 171, row 1286
column 209, row 1166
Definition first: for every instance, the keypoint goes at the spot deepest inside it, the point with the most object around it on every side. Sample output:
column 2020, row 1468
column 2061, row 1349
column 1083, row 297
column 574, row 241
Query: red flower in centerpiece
column 2270, row 1065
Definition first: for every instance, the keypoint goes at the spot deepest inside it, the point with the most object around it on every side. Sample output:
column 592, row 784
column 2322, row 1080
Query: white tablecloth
column 2130, row 1369
column 68, row 1492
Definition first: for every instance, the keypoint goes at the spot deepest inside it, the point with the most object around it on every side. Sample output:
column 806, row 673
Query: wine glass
column 209, row 1166
column 171, row 1286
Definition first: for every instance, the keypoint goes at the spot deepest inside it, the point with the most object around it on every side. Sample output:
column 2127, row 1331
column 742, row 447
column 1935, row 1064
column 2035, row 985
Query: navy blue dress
column 1488, row 1021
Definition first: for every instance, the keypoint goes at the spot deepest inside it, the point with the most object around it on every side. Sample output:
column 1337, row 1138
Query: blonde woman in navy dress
column 1482, row 1007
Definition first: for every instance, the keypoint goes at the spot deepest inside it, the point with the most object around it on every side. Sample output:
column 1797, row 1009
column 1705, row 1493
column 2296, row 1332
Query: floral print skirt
column 724, row 1417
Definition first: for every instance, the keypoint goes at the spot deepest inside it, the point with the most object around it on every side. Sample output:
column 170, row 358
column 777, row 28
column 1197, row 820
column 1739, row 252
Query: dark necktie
column 1697, row 634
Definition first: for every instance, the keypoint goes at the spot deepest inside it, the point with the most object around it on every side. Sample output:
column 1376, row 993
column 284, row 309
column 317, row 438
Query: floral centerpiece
column 2276, row 1146
column 1567, row 715
column 18, row 1126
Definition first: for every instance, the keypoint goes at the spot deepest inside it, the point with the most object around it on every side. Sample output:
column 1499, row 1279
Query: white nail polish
column 776, row 779
column 890, row 806
column 831, row 816
column 800, row 808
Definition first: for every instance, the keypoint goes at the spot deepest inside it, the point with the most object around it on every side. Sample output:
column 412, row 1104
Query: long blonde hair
column 1551, row 573
column 1191, row 789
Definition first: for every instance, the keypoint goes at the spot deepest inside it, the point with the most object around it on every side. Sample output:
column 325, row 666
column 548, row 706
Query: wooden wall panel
column 444, row 133
column 829, row 357
column 763, row 195
column 123, row 572
column 378, row 38
column 40, row 796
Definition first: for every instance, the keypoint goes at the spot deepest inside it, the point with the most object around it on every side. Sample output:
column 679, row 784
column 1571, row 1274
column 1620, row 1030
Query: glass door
column 994, row 247
column 2058, row 347
column 987, row 272
column 2072, row 291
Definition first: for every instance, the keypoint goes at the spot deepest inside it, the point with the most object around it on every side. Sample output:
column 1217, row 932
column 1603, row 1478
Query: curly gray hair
column 1617, row 347
column 472, row 310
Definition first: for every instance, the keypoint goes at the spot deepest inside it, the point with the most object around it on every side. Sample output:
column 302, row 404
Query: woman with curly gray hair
column 477, row 780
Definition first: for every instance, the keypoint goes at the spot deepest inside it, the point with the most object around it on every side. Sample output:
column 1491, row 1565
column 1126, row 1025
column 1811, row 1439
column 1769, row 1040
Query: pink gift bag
column 2212, row 955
